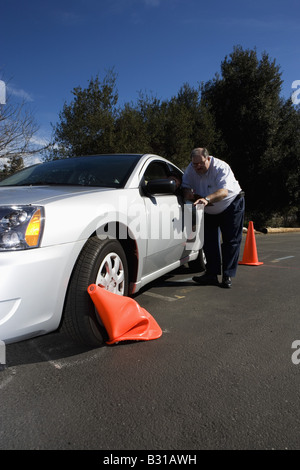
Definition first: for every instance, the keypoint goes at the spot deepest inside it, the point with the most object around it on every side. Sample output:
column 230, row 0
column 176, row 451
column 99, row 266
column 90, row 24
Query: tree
column 251, row 117
column 131, row 131
column 238, row 115
column 17, row 129
column 152, row 112
column 170, row 128
column 286, row 168
column 86, row 125
column 188, row 124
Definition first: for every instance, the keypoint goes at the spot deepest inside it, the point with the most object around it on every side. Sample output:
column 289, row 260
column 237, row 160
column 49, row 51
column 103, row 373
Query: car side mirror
column 160, row 186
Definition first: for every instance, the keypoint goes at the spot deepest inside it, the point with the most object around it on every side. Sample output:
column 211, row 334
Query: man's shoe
column 207, row 280
column 226, row 282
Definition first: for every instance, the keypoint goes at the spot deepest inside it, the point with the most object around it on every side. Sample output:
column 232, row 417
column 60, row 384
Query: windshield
column 99, row 170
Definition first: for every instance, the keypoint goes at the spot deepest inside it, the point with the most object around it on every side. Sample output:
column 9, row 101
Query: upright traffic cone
column 122, row 317
column 250, row 252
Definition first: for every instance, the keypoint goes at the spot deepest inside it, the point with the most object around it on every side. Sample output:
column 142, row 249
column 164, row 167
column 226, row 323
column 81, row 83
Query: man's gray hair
column 203, row 151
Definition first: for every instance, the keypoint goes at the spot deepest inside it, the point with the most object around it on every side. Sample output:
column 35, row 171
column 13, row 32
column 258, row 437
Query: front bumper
column 33, row 285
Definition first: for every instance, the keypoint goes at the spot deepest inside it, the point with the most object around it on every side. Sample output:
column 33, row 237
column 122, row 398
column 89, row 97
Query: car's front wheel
column 101, row 262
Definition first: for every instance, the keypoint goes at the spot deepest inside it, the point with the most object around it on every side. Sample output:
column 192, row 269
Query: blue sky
column 154, row 46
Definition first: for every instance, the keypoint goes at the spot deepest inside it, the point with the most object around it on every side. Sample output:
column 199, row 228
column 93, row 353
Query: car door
column 166, row 236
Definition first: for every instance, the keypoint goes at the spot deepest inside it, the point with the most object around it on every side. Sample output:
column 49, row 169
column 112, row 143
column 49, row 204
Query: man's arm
column 212, row 198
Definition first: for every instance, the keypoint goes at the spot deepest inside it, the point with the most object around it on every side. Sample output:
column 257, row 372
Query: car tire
column 199, row 264
column 101, row 262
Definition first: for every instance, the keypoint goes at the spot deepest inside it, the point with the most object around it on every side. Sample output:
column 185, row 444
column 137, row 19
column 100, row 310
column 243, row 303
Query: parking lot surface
column 225, row 373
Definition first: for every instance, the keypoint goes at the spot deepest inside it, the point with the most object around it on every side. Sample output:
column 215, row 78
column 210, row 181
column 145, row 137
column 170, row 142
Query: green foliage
column 259, row 130
column 87, row 124
column 188, row 124
column 131, row 132
column 93, row 124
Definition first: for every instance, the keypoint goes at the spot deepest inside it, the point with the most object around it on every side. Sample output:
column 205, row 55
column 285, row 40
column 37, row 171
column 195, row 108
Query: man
column 215, row 186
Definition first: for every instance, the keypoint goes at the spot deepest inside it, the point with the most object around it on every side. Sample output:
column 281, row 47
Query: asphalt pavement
column 224, row 375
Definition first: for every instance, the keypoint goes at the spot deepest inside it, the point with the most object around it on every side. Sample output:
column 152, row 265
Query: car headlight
column 21, row 227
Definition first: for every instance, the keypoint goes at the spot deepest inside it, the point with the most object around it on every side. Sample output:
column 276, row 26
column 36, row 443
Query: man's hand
column 202, row 200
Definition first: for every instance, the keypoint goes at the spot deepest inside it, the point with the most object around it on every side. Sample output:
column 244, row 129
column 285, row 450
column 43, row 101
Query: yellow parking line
column 158, row 296
column 279, row 259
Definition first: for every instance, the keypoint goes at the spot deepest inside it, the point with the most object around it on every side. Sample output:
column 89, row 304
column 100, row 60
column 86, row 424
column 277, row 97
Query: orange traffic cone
column 122, row 316
column 250, row 253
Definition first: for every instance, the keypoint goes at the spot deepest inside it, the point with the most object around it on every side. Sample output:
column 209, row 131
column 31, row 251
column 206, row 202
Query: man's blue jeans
column 222, row 238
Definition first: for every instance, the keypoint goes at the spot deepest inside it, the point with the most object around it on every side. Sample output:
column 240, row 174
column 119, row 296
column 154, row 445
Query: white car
column 113, row 220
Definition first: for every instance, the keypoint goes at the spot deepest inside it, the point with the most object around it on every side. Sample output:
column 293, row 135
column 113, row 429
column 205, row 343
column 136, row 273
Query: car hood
column 16, row 195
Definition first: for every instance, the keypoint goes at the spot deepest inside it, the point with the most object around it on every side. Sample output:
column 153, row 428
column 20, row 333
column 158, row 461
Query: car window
column 156, row 171
column 173, row 171
column 100, row 170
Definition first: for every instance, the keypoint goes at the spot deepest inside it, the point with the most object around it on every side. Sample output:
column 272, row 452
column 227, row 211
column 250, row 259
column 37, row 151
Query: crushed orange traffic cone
column 250, row 252
column 122, row 317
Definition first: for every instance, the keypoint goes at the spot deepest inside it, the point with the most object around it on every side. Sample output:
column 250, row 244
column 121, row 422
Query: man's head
column 200, row 160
